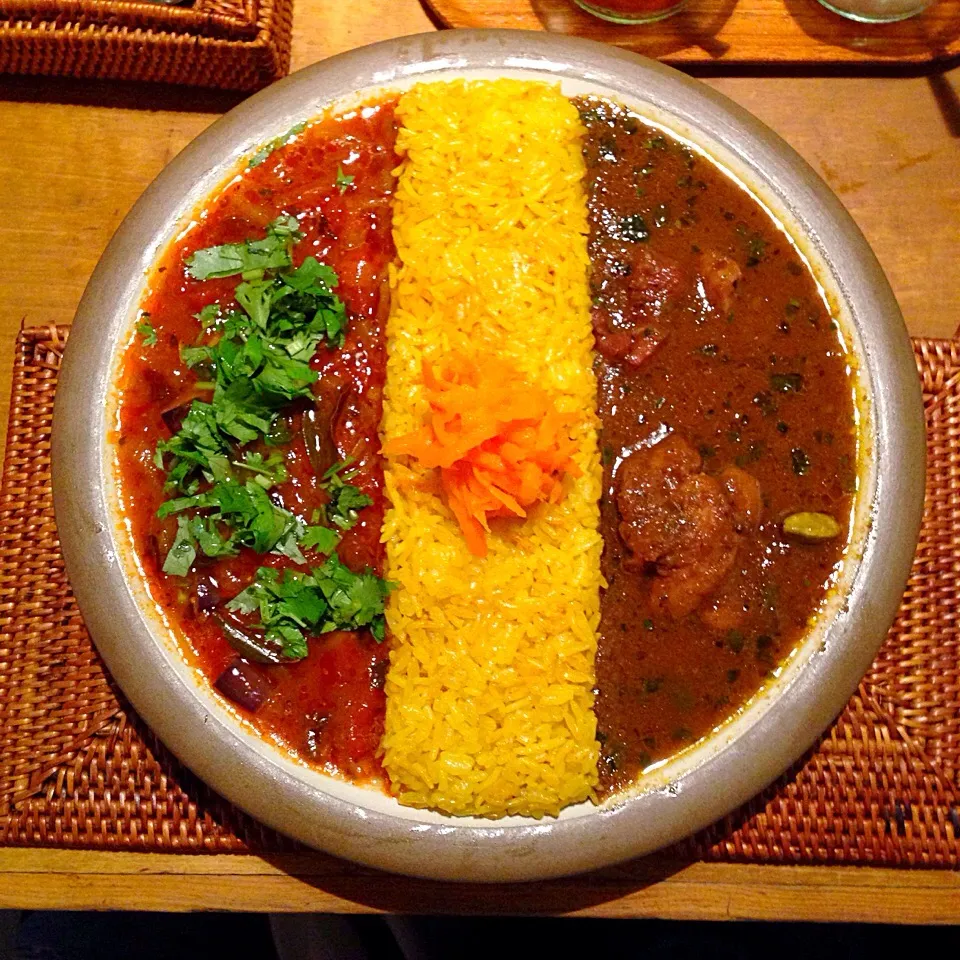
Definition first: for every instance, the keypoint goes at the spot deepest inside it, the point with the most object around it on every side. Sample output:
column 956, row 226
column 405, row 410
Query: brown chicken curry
column 728, row 441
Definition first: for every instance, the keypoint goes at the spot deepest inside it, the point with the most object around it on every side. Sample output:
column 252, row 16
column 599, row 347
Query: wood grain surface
column 76, row 157
column 291, row 883
column 734, row 31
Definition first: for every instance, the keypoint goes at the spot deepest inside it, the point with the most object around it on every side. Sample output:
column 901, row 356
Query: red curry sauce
column 328, row 707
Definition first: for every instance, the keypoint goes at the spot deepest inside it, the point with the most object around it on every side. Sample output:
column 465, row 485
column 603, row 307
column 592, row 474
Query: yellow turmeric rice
column 490, row 685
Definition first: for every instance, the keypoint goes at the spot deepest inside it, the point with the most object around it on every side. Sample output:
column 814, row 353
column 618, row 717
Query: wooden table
column 77, row 155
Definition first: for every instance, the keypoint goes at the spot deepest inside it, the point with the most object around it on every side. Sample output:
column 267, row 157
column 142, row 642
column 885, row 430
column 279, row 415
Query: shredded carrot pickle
column 500, row 443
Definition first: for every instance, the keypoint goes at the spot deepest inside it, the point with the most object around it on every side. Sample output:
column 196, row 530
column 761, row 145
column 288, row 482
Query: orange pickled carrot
column 500, row 444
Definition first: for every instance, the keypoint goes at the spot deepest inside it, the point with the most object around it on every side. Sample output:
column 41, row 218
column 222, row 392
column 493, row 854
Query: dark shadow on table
column 928, row 35
column 689, row 28
column 382, row 891
column 378, row 890
column 121, row 94
column 948, row 102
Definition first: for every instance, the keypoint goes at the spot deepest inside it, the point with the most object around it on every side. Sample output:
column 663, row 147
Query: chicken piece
column 624, row 326
column 651, row 284
column 730, row 606
column 743, row 493
column 633, row 348
column 719, row 276
column 682, row 524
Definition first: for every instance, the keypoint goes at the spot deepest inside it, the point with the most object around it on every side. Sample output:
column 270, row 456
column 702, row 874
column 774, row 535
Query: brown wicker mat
column 79, row 769
column 229, row 44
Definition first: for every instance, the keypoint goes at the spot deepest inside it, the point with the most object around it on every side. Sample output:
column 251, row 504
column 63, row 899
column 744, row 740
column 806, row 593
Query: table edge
column 32, row 878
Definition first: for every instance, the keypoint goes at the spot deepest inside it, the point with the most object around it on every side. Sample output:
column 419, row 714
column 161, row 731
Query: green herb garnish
column 735, row 640
column 275, row 144
column 765, row 402
column 148, row 333
column 756, row 247
column 786, row 382
column 231, row 515
column 257, row 357
column 343, row 180
column 800, row 461
column 345, row 498
column 251, row 257
column 633, row 229
column 330, row 597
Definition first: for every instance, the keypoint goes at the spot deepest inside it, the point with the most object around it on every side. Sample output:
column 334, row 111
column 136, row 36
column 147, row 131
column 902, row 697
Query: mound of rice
column 490, row 686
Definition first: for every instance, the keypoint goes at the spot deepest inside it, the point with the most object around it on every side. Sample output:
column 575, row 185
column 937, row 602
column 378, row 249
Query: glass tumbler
column 877, row 11
column 631, row 11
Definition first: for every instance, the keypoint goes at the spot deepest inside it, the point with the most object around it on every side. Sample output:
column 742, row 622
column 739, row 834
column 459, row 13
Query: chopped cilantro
column 321, row 539
column 256, row 358
column 765, row 402
column 268, row 471
column 345, row 498
column 250, row 257
column 147, row 332
column 756, row 248
column 275, row 144
column 800, row 461
column 765, row 649
column 231, row 515
column 343, row 180
column 256, row 521
column 632, row 229
column 181, row 555
column 330, row 597
column 786, row 382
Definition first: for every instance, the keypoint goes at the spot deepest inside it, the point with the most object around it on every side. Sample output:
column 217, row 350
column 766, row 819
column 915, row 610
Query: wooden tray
column 78, row 769
column 742, row 32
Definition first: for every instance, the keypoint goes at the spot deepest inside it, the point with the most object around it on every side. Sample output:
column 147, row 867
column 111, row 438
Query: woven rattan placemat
column 229, row 44
column 79, row 769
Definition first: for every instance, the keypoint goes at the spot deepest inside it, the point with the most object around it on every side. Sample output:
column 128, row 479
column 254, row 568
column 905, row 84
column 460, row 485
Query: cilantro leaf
column 181, row 555
column 208, row 315
column 255, row 296
column 313, row 277
column 230, row 515
column 321, row 539
column 255, row 357
column 147, row 332
column 247, row 510
column 329, row 597
column 345, row 498
column 343, row 180
column 268, row 471
column 275, row 144
column 249, row 257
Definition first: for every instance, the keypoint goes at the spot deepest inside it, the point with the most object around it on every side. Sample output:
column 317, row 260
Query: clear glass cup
column 877, row 11
column 631, row 11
